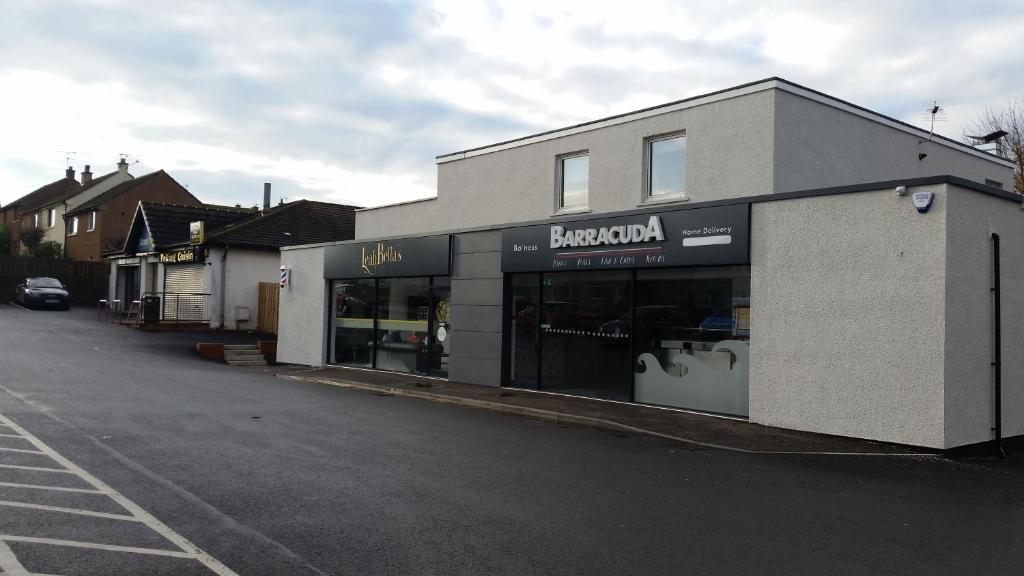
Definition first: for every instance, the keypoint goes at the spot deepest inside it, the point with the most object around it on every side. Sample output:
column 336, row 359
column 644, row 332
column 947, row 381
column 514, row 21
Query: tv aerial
column 933, row 114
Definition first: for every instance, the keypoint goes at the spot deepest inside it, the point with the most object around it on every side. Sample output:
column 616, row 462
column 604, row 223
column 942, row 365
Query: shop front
column 389, row 304
column 651, row 308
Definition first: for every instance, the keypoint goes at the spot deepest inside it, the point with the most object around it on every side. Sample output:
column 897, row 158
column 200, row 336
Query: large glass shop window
column 585, row 326
column 403, row 315
column 353, row 323
column 681, row 340
column 693, row 338
column 523, row 341
column 397, row 324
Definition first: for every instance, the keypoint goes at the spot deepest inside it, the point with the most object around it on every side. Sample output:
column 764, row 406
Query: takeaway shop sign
column 180, row 256
column 717, row 235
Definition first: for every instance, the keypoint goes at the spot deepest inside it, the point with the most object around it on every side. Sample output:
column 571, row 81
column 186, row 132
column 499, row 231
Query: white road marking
column 54, row 488
column 189, row 550
column 9, row 564
column 20, row 450
column 95, row 546
column 35, row 468
column 69, row 511
column 10, row 436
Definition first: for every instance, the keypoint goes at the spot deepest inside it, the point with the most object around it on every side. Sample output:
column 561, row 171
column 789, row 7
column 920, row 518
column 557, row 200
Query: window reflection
column 353, row 323
column 667, row 166
column 585, row 319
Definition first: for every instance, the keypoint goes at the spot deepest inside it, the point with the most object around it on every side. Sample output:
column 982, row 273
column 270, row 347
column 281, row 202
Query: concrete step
column 242, row 353
column 247, row 362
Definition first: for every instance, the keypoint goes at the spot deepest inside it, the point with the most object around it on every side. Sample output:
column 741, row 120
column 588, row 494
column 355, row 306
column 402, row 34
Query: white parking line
column 10, row 436
column 188, row 549
column 53, row 488
column 94, row 546
column 68, row 511
column 35, row 468
column 20, row 450
column 9, row 564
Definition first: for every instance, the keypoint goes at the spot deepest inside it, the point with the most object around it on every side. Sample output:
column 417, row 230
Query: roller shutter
column 183, row 293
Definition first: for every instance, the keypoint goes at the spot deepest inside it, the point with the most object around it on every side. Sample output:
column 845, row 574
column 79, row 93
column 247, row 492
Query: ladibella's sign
column 693, row 237
column 426, row 256
column 382, row 253
column 180, row 257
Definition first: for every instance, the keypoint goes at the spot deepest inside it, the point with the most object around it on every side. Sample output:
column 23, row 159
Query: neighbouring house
column 46, row 207
column 205, row 263
column 100, row 223
column 39, row 209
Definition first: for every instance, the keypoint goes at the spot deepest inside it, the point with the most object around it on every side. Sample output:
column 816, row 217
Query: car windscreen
column 44, row 283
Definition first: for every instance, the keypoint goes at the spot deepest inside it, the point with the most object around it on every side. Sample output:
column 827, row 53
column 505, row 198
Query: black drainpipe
column 997, row 363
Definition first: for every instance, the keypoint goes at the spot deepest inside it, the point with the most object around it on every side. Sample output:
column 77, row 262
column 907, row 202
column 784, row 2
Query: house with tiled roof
column 38, row 209
column 205, row 263
column 99, row 222
column 46, row 207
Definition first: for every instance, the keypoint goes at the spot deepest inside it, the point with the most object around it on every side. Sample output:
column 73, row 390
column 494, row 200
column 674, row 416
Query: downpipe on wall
column 997, row 362
column 223, row 285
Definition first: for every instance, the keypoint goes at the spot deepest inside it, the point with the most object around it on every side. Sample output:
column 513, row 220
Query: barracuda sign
column 718, row 235
column 607, row 235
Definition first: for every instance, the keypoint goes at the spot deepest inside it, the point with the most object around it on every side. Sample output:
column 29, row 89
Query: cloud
column 351, row 101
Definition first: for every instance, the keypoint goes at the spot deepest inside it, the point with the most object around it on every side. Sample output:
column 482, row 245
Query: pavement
column 124, row 453
column 701, row 430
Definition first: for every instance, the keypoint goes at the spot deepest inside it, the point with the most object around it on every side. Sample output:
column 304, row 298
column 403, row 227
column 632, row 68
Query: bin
column 151, row 308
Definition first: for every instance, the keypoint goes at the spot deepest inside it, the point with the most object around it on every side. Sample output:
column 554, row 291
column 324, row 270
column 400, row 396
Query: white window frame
column 646, row 196
column 51, row 217
column 74, row 226
column 560, row 208
column 35, row 220
column 92, row 221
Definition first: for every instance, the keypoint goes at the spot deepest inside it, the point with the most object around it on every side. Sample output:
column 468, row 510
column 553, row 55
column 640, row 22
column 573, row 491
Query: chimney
column 69, row 173
column 266, row 195
column 122, row 167
column 86, row 175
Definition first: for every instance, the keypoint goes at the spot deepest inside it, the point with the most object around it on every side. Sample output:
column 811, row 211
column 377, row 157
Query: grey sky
column 351, row 101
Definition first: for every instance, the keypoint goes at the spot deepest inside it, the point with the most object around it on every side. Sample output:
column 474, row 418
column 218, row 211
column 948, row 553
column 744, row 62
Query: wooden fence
column 86, row 281
column 266, row 318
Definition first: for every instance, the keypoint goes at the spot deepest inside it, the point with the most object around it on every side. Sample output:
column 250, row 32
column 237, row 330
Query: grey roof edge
column 393, row 204
column 731, row 92
column 877, row 186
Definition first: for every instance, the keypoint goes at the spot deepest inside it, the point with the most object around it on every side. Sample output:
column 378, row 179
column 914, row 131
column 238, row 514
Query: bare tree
column 1011, row 120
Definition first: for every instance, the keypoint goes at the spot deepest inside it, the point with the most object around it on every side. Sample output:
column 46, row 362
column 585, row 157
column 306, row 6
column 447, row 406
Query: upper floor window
column 666, row 166
column 74, row 226
column 35, row 220
column 92, row 221
column 573, row 180
column 51, row 217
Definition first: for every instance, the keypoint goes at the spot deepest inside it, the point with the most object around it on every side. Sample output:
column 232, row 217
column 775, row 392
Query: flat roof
column 733, row 92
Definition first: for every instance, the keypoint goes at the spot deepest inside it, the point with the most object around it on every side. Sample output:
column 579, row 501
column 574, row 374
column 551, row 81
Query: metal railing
column 176, row 307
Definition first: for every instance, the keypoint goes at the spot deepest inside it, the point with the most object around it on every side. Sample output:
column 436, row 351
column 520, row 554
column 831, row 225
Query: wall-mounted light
column 901, row 190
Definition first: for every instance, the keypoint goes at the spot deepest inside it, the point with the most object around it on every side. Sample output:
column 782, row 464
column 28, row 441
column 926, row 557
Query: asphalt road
column 154, row 446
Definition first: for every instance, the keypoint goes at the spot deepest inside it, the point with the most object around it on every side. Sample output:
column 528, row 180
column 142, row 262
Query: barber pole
column 284, row 276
